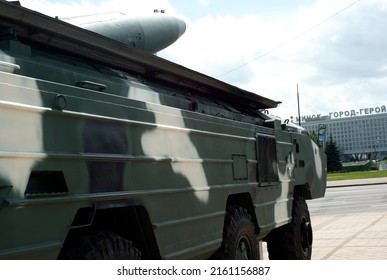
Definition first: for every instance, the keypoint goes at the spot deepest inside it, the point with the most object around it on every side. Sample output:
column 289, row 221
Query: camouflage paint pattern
column 77, row 135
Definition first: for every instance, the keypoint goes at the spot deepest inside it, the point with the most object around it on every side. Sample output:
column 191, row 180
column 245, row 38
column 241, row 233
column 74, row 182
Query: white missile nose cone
column 162, row 31
column 181, row 25
column 148, row 33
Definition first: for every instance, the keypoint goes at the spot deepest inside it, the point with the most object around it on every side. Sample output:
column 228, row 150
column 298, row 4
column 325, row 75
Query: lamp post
column 298, row 105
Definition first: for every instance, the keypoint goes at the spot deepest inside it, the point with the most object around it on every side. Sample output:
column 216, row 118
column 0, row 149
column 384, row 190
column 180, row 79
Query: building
column 359, row 135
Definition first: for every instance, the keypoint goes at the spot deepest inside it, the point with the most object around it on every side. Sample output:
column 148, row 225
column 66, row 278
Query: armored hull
column 100, row 137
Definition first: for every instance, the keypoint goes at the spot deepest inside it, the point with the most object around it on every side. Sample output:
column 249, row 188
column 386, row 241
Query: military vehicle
column 110, row 152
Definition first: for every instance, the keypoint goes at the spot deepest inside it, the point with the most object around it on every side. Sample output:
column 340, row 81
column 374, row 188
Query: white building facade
column 359, row 135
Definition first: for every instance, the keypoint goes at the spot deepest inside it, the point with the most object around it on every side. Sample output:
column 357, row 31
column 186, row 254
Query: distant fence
column 364, row 166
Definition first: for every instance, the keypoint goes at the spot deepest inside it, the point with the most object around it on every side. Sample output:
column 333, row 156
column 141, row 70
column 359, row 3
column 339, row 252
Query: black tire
column 100, row 245
column 294, row 240
column 239, row 239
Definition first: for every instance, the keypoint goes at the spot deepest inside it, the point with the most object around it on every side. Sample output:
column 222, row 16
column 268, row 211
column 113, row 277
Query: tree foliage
column 333, row 156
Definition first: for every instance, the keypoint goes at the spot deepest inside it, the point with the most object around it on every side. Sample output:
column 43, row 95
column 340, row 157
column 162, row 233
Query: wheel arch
column 244, row 200
column 131, row 222
column 303, row 191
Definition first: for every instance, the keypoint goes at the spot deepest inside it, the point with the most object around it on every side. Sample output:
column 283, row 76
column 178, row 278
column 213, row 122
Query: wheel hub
column 243, row 251
column 306, row 234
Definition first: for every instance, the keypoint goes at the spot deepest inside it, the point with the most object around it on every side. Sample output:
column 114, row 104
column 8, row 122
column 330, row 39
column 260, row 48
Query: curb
column 355, row 183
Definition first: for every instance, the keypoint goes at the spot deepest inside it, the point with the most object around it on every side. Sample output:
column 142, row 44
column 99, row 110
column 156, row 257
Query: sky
column 334, row 50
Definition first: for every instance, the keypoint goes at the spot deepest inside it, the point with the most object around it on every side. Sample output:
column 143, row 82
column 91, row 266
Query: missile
column 150, row 33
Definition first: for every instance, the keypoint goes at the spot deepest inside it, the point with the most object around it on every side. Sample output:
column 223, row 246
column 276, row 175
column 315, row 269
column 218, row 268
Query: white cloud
column 336, row 56
column 214, row 45
column 80, row 8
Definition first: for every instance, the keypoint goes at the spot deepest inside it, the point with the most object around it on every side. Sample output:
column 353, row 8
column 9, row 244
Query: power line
column 290, row 40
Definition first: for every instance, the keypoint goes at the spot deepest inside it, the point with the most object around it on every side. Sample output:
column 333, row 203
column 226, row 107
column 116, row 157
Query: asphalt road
column 346, row 200
column 350, row 222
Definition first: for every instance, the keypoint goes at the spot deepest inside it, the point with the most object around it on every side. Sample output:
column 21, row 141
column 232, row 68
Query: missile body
column 148, row 33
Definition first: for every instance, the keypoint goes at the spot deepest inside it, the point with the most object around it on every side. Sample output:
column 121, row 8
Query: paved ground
column 353, row 236
column 358, row 236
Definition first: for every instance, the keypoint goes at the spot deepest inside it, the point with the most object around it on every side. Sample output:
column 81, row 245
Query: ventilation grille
column 46, row 183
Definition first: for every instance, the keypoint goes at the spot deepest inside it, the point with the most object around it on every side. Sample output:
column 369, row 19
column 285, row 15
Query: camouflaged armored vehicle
column 109, row 152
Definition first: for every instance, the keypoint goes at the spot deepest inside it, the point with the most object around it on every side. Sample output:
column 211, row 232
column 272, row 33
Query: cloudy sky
column 335, row 50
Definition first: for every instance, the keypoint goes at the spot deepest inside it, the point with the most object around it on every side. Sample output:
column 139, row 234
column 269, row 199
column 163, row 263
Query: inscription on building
column 344, row 114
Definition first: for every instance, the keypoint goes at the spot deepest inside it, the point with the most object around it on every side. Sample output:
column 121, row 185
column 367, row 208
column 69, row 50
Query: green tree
column 333, row 155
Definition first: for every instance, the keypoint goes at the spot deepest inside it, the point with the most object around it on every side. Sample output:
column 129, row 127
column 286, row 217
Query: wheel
column 239, row 240
column 294, row 240
column 99, row 245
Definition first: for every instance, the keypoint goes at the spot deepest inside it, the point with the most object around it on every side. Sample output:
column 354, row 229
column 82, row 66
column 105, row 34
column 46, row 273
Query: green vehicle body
column 99, row 136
